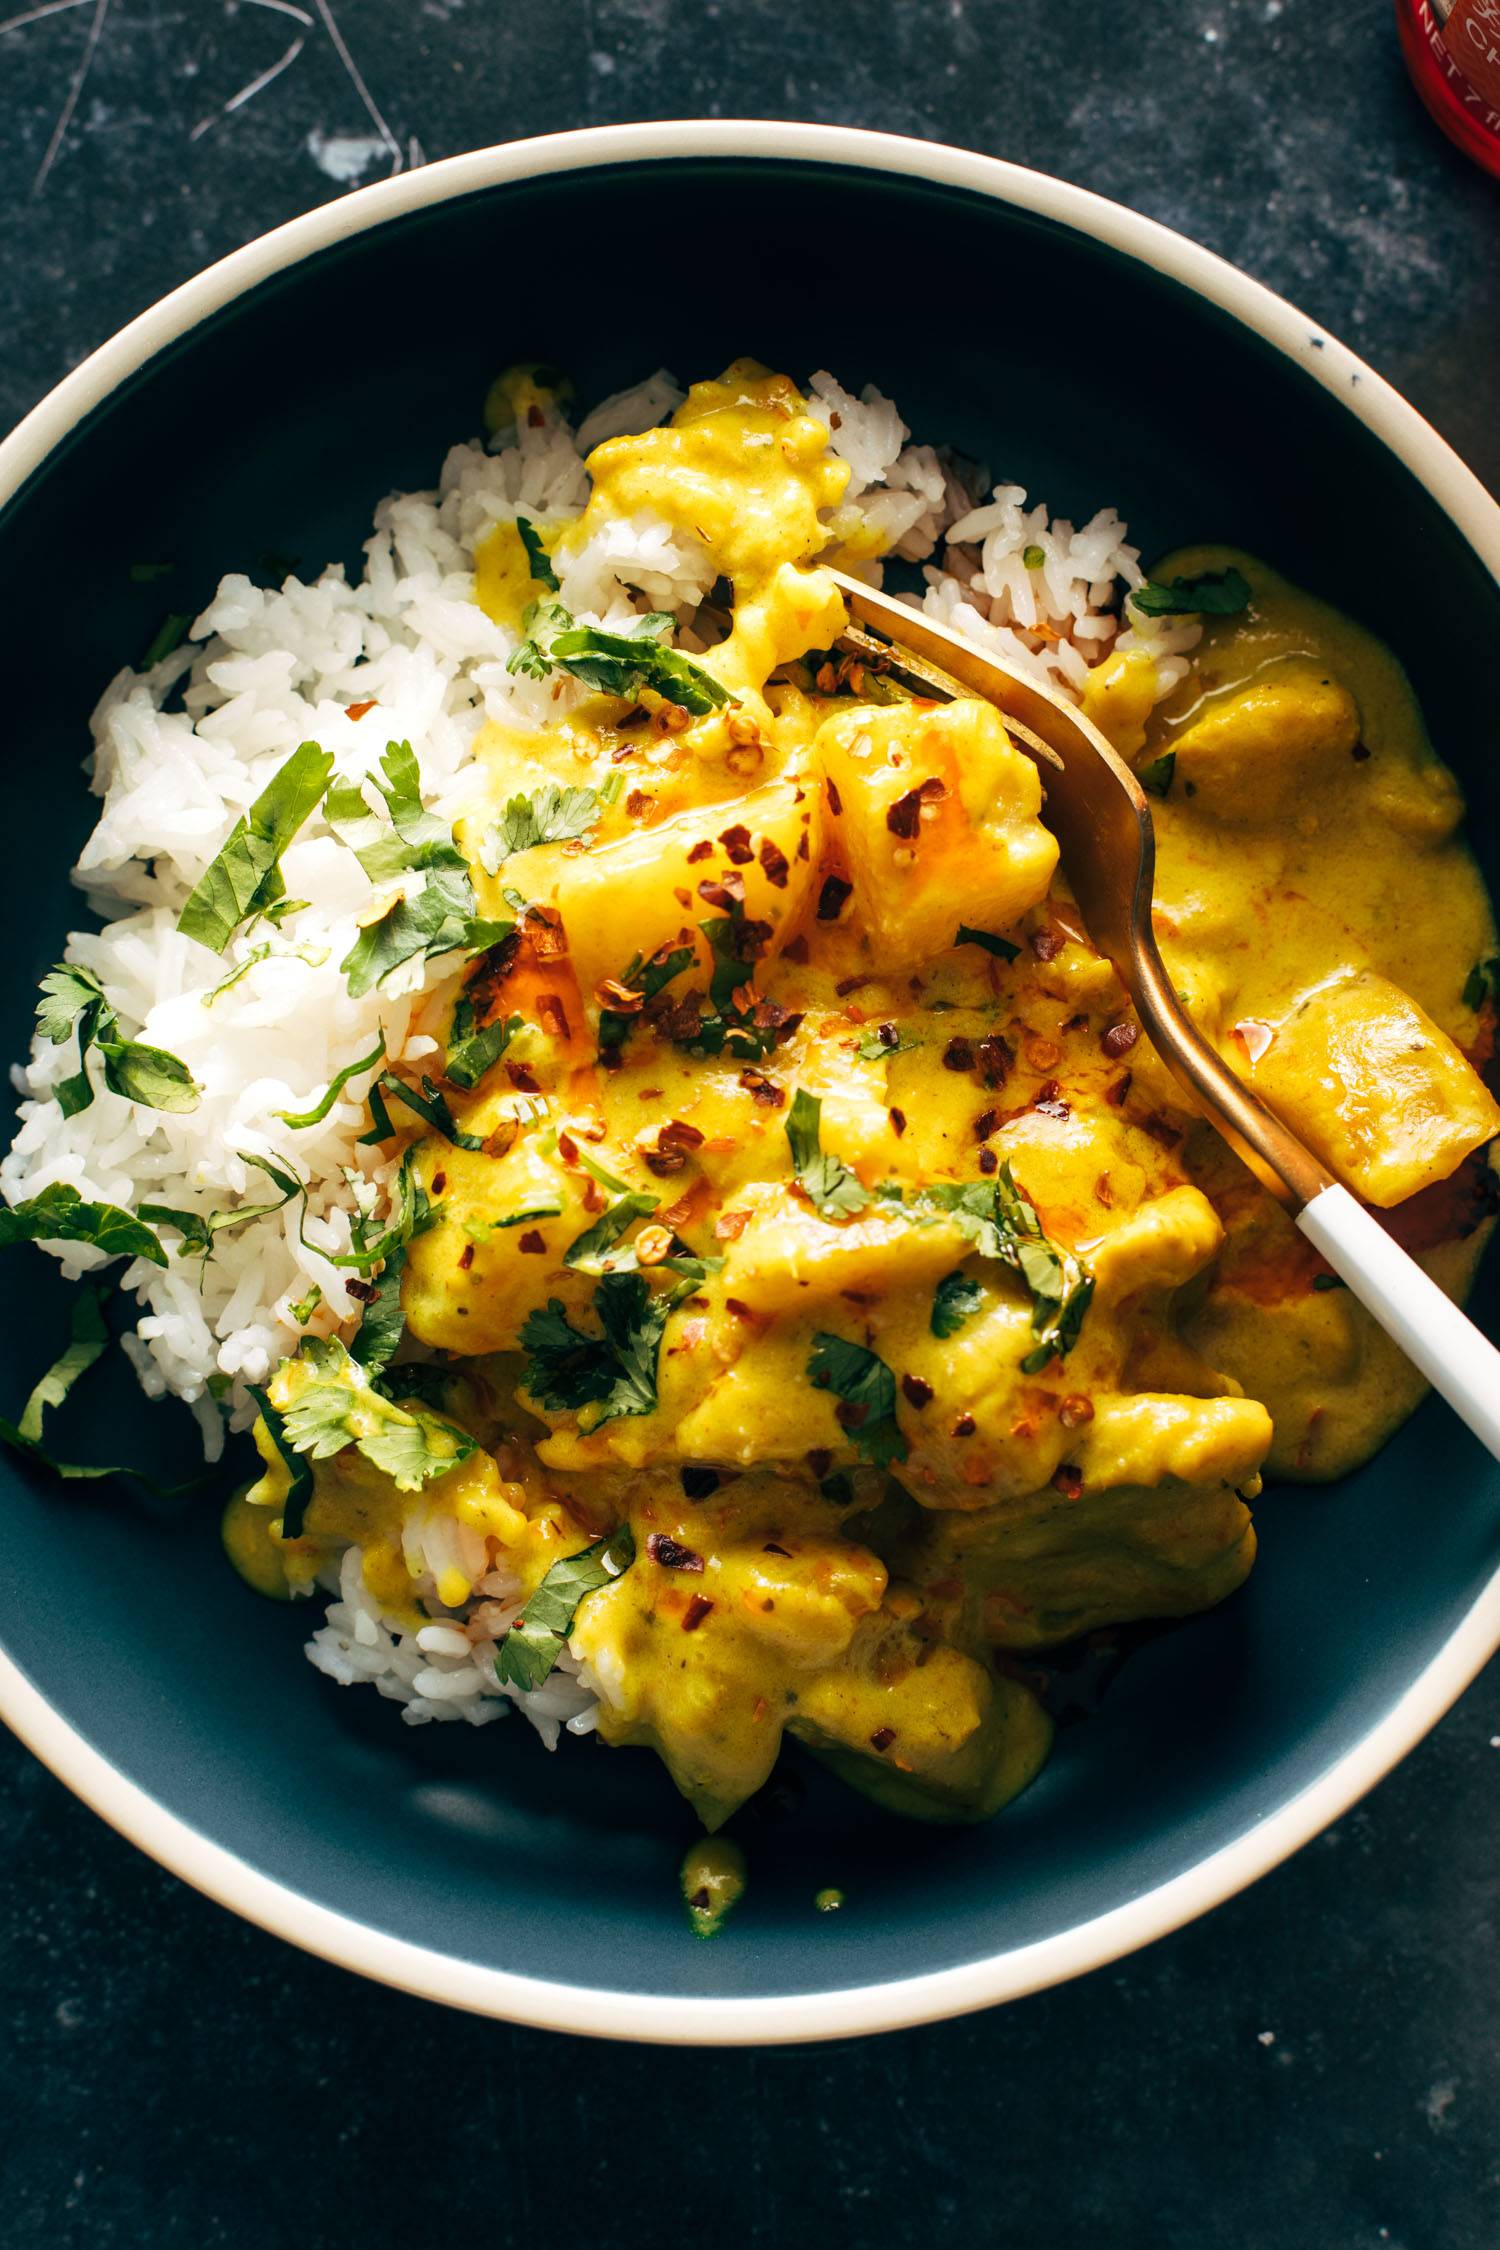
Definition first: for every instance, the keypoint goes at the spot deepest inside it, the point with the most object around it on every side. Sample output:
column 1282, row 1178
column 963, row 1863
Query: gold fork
column 1098, row 811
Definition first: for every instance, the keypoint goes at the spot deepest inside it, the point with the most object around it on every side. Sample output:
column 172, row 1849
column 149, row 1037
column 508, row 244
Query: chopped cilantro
column 623, row 664
column 305, row 1307
column 169, row 635
column 474, row 1048
column 614, row 1372
column 60, row 1214
column 1156, row 778
column 867, row 1388
column 647, row 978
column 244, row 877
column 538, row 1636
column 834, row 1190
column 1218, row 593
column 299, row 1120
column 1001, row 1222
column 342, row 1408
column 1002, row 948
column 545, row 816
column 1482, row 982
column 536, row 554
column 300, row 1488
column 199, row 1232
column 441, row 917
column 956, row 1299
column 148, row 1075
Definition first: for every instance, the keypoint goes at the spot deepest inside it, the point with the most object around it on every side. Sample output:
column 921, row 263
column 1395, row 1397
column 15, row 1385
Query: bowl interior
column 271, row 430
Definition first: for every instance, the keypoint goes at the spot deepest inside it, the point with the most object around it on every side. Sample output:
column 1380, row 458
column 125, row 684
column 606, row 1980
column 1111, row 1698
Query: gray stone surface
column 1313, row 2067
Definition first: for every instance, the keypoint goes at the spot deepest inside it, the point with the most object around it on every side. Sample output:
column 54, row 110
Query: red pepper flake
column 523, row 1078
column 916, row 1392
column 741, row 1311
column 1116, row 1091
column 730, row 1225
column 988, row 1160
column 832, row 898
column 664, row 1161
column 836, row 802
column 773, row 1547
column 697, row 1609
column 545, row 934
column 996, row 1057
column 882, row 1738
column 1050, row 1102
column 846, row 985
column 466, row 1257
column 774, row 863
column 898, row 1122
column 358, row 710
column 965, row 1426
column 763, row 1090
column 851, row 1413
column 958, row 1055
column 533, row 1243
column 678, row 1133
column 987, row 1122
column 553, row 1014
column 1074, row 1410
column 1068, row 1481
column 820, row 1461
column 1120, row 1038
column 439, row 1182
column 904, row 817
column 700, row 851
column 669, row 1555
column 726, row 894
column 366, row 1291
column 737, row 845
column 637, row 802
column 1047, row 943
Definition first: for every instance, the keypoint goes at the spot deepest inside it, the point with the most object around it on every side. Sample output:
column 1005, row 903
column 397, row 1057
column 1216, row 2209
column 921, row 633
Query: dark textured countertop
column 1314, row 2067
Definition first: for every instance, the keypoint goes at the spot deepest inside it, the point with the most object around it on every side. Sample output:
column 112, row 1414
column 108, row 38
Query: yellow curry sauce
column 1317, row 910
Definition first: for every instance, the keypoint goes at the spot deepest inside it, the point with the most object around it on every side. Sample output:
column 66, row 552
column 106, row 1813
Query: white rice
column 181, row 751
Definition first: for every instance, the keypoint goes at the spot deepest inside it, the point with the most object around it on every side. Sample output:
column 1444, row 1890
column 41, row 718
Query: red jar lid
column 1452, row 50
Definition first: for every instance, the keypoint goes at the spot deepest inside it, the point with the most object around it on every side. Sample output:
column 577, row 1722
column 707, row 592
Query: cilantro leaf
column 169, row 634
column 244, row 877
column 60, row 1214
column 648, row 978
column 835, row 1191
column 616, row 1371
column 1001, row 1221
column 199, row 1232
column 538, row 1636
column 88, row 1338
column 1156, row 777
column 590, row 1252
column 1217, row 593
column 1482, row 983
column 872, row 1048
column 430, row 1105
column 867, row 1388
column 472, row 1048
column 138, row 1073
column 1002, row 948
column 536, row 554
column 342, row 1408
column 623, row 664
column 383, row 1322
column 545, row 816
column 956, row 1299
column 300, row 1489
column 299, row 1120
column 439, row 919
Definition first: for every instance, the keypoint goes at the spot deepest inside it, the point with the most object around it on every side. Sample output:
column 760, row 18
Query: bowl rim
column 847, row 2011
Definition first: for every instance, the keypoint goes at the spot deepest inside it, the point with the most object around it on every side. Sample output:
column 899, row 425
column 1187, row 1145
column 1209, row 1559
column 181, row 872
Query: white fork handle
column 1437, row 1338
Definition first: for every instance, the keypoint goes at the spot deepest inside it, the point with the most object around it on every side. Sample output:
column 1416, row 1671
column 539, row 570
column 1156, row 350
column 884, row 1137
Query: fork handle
column 1440, row 1340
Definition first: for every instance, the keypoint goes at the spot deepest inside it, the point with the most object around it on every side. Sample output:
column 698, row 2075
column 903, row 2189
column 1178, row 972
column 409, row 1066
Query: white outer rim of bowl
column 853, row 2010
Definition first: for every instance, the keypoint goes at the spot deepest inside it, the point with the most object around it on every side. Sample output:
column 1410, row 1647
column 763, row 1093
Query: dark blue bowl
column 263, row 409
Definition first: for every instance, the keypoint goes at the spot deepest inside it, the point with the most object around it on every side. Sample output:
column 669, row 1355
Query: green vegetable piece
column 834, row 1191
column 88, row 1339
column 540, row 1634
column 648, row 978
column 713, row 1878
column 1002, row 948
column 1033, row 557
column 440, row 919
column 60, row 1214
column 305, row 1307
column 148, row 1075
column 536, row 554
column 868, row 1391
column 430, row 1105
column 1218, row 593
column 169, row 635
column 956, row 1299
column 614, row 1372
column 827, row 1901
column 199, row 1233
column 623, row 664
column 1482, row 982
column 545, row 816
column 343, row 1408
column 300, row 1120
column 475, row 1049
column 590, row 1252
column 383, row 1322
column 300, row 1490
column 1156, row 778
column 244, row 878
